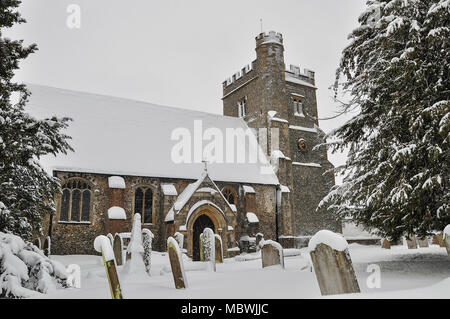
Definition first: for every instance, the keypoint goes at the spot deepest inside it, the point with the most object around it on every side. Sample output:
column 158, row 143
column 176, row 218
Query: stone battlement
column 239, row 74
column 270, row 37
column 306, row 72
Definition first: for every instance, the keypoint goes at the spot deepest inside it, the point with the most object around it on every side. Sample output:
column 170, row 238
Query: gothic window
column 241, row 108
column 230, row 195
column 298, row 107
column 143, row 204
column 75, row 201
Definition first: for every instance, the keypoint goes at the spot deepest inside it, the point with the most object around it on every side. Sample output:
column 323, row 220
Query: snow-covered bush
column 25, row 271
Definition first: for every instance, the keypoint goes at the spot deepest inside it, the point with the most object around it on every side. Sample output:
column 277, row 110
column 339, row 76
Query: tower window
column 241, row 108
column 298, row 107
column 75, row 201
column 143, row 204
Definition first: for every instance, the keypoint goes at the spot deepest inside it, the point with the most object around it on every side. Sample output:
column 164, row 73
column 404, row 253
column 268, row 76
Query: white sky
column 177, row 53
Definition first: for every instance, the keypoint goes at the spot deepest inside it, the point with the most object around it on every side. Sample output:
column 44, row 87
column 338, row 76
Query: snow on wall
column 116, row 212
column 252, row 218
column 329, row 238
column 248, row 189
column 169, row 189
column 116, row 182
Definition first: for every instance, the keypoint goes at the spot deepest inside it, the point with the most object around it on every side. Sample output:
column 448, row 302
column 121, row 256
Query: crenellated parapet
column 239, row 74
column 269, row 37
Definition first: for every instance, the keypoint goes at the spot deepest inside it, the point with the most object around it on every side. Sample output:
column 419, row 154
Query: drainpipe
column 277, row 211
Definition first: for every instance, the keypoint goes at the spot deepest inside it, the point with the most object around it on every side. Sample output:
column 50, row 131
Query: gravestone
column 332, row 263
column 202, row 257
column 411, row 242
column 446, row 239
column 37, row 243
column 219, row 249
column 180, row 239
column 438, row 240
column 147, row 238
column 135, row 264
column 386, row 244
column 176, row 263
column 423, row 242
column 47, row 246
column 103, row 245
column 209, row 249
column 118, row 249
column 259, row 240
column 272, row 254
column 111, row 238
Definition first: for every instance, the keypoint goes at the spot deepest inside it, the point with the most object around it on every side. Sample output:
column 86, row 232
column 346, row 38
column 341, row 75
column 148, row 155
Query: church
column 127, row 160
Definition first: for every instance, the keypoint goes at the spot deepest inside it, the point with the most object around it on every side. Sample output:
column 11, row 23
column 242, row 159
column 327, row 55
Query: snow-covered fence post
column 47, row 246
column 176, row 263
column 118, row 249
column 209, row 249
column 180, row 239
column 386, row 244
column 446, row 238
column 423, row 242
column 218, row 248
column 332, row 263
column 271, row 254
column 147, row 238
column 411, row 241
column 135, row 264
column 103, row 245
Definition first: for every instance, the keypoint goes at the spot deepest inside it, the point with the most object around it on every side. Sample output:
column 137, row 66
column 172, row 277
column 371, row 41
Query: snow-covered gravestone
column 135, row 264
column 47, row 246
column 332, row 263
column 202, row 257
column 176, row 263
column 438, row 239
column 180, row 239
column 103, row 245
column 118, row 249
column 209, row 249
column 386, row 244
column 218, row 248
column 111, row 239
column 259, row 240
column 147, row 238
column 271, row 254
column 411, row 241
column 423, row 242
column 446, row 238
column 37, row 243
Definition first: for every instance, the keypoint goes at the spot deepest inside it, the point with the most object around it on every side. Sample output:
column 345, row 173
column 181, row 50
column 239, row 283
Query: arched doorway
column 202, row 222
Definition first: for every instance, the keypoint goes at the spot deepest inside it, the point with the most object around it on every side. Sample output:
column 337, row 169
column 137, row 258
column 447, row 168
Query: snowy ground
column 419, row 273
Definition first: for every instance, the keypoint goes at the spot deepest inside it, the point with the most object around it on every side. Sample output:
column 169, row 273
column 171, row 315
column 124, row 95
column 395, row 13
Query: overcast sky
column 177, row 53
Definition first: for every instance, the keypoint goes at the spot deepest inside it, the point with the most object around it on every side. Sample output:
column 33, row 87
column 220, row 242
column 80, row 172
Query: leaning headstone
column 272, row 254
column 411, row 241
column 209, row 249
column 118, row 249
column 219, row 249
column 259, row 240
column 103, row 245
column 111, row 238
column 446, row 238
column 176, row 263
column 386, row 244
column 423, row 242
column 135, row 264
column 147, row 238
column 332, row 263
column 47, row 246
column 180, row 239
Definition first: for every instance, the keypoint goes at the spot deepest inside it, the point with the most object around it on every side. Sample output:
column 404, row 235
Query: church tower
column 283, row 102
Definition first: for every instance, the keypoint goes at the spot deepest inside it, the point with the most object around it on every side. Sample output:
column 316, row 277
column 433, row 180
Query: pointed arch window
column 143, row 204
column 75, row 201
column 230, row 195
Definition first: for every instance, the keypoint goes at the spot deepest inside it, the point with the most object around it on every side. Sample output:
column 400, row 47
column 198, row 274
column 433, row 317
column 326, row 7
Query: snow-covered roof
column 117, row 136
column 116, row 212
column 169, row 189
column 116, row 182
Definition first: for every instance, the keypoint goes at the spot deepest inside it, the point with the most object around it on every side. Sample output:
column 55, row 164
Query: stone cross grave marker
column 118, row 249
column 218, row 248
column 176, row 263
column 332, row 264
column 272, row 254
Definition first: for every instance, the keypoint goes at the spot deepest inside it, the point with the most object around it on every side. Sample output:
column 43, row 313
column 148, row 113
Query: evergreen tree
column 26, row 190
column 396, row 73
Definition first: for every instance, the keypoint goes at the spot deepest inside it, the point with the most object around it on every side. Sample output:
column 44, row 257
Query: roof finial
column 206, row 165
column 260, row 20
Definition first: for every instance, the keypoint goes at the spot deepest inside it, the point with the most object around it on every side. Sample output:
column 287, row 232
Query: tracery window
column 143, row 204
column 75, row 201
column 230, row 195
